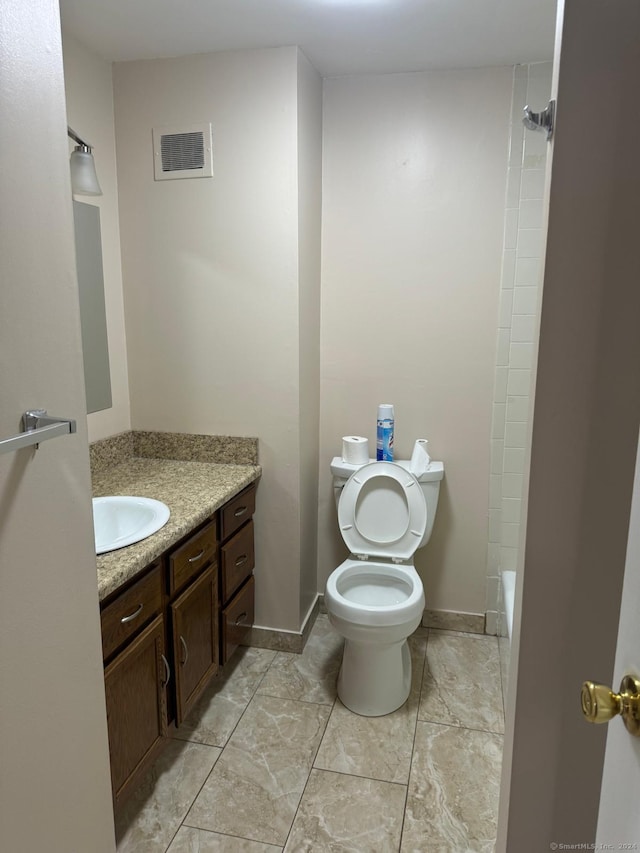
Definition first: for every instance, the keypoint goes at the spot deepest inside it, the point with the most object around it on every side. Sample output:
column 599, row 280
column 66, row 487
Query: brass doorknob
column 600, row 703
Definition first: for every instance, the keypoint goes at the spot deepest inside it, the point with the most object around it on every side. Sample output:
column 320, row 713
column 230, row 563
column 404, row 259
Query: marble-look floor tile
column 376, row 747
column 462, row 685
column 149, row 820
column 218, row 710
column 312, row 675
column 190, row 840
column 453, row 791
column 256, row 786
column 347, row 814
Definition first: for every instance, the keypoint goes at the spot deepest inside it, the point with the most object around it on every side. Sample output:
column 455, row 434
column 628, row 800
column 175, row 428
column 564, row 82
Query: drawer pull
column 241, row 617
column 185, row 650
column 197, row 557
column 241, row 561
column 240, row 511
column 132, row 616
column 167, row 671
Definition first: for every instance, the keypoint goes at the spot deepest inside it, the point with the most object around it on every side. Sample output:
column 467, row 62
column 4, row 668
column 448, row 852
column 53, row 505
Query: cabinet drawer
column 237, row 558
column 240, row 509
column 131, row 610
column 237, row 618
column 186, row 561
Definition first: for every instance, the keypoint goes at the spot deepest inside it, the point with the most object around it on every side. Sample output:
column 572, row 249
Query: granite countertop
column 191, row 490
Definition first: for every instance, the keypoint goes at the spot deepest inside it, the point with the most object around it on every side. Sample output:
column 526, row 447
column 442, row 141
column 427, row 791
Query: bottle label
column 384, row 443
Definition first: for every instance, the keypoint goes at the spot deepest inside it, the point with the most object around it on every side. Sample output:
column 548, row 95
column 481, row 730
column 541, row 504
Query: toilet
column 375, row 598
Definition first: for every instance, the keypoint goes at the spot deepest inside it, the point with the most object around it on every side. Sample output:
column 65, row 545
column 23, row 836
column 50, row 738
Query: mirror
column 93, row 318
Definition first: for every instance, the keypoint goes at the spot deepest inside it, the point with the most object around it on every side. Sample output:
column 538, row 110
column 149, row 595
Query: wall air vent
column 182, row 152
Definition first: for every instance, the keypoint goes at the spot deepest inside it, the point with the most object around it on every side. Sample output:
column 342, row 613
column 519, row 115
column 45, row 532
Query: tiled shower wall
column 521, row 272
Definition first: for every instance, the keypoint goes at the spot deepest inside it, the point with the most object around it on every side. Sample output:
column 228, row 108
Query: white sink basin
column 122, row 520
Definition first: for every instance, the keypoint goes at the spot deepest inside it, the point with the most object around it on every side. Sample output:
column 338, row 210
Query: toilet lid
column 382, row 511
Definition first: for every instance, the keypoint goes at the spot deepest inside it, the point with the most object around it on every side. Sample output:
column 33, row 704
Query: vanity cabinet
column 165, row 634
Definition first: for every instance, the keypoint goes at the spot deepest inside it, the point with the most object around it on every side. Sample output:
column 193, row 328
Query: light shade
column 84, row 180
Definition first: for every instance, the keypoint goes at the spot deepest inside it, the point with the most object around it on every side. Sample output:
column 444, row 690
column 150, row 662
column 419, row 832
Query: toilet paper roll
column 420, row 458
column 355, row 449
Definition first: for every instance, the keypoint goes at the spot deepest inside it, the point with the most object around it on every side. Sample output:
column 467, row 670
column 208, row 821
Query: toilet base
column 375, row 679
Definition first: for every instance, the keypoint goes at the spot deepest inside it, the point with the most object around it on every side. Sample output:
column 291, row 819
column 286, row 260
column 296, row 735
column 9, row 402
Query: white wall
column 517, row 328
column 55, row 791
column 89, row 94
column 414, row 172
column 211, row 276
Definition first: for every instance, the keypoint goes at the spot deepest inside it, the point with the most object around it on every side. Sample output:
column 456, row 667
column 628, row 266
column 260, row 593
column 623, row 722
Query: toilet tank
column 429, row 481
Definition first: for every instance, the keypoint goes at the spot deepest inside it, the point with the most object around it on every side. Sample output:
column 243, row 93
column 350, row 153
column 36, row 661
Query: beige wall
column 211, row 277
column 89, row 94
column 414, row 172
column 309, row 229
column 55, row 791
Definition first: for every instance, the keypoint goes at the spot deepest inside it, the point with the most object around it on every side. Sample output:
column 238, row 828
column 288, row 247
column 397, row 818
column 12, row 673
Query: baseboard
column 450, row 620
column 284, row 641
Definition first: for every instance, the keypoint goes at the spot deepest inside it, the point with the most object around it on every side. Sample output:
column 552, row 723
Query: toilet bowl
column 375, row 606
column 375, row 599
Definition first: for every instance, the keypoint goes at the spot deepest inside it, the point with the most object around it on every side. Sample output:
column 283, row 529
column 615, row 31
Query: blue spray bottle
column 384, row 443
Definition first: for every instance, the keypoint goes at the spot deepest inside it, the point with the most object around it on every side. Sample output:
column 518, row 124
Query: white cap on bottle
column 385, row 412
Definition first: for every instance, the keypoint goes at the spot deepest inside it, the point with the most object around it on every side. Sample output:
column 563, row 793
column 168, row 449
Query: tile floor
column 270, row 760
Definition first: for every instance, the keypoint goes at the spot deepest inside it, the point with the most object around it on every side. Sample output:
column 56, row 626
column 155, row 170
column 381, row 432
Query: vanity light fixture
column 84, row 180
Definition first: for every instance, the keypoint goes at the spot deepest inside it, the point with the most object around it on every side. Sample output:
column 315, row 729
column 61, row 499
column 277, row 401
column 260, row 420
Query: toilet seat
column 382, row 512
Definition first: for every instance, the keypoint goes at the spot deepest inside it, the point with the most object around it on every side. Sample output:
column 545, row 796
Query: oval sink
column 123, row 519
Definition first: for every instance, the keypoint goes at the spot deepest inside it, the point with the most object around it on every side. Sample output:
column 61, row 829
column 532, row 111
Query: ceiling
column 337, row 36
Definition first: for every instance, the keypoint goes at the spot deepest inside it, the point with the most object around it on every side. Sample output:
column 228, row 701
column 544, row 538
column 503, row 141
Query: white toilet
column 375, row 598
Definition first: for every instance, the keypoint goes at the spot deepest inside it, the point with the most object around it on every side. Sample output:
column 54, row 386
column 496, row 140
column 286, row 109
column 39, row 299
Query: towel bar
column 37, row 426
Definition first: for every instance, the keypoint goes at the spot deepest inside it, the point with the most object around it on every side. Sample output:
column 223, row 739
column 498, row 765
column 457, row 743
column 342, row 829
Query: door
column 584, row 436
column 619, row 815
column 55, row 792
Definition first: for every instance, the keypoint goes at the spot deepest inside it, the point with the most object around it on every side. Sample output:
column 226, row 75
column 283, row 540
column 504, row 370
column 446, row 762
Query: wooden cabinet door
column 136, row 708
column 195, row 640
